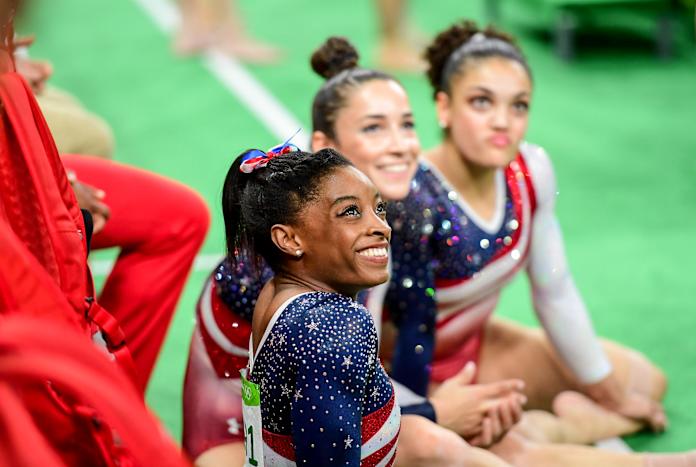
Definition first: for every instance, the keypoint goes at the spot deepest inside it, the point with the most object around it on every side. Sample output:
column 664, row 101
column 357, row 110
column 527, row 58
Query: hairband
column 478, row 43
column 478, row 37
column 255, row 159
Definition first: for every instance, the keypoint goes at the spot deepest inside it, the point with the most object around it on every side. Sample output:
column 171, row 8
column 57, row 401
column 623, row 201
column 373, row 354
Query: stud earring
column 442, row 124
column 298, row 253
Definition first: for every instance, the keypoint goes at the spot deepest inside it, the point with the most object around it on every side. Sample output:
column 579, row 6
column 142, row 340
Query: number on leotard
column 251, row 459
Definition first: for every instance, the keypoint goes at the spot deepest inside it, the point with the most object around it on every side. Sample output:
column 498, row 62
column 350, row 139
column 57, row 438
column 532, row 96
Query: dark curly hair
column 276, row 194
column 462, row 43
column 337, row 61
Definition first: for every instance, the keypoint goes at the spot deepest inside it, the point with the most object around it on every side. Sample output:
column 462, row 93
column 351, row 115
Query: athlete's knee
column 647, row 377
column 198, row 216
column 189, row 223
column 659, row 382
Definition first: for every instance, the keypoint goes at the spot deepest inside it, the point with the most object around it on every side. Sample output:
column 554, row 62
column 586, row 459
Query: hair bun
column 335, row 55
column 448, row 41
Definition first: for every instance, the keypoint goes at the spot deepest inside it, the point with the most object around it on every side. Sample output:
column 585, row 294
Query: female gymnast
column 480, row 210
column 358, row 124
column 365, row 114
column 320, row 224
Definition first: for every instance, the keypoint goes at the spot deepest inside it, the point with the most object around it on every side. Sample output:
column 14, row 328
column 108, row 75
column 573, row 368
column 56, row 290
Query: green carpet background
column 619, row 124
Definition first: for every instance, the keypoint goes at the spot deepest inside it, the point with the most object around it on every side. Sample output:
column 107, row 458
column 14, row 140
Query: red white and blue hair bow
column 255, row 159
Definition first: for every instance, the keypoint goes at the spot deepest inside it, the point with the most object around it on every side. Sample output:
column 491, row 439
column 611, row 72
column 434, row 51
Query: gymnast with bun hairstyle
column 486, row 200
column 366, row 115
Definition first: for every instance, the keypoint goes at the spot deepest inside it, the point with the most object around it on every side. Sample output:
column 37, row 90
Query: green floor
column 618, row 123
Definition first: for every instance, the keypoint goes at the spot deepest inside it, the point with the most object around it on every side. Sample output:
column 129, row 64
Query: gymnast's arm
column 329, row 387
column 410, row 300
column 456, row 404
column 557, row 302
column 562, row 311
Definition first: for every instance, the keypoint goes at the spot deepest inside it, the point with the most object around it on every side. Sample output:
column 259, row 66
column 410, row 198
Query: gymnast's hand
column 91, row 199
column 480, row 413
column 609, row 394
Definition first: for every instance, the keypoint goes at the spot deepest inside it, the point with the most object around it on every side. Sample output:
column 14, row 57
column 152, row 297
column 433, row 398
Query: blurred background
column 614, row 105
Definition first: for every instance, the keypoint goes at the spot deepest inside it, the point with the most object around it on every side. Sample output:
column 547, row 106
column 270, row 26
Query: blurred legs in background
column 218, row 24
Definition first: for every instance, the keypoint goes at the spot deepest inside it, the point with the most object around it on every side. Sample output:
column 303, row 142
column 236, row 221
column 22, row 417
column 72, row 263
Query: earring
column 298, row 253
column 442, row 124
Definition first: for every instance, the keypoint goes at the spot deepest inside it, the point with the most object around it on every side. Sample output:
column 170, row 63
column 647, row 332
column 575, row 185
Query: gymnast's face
column 344, row 233
column 375, row 130
column 486, row 112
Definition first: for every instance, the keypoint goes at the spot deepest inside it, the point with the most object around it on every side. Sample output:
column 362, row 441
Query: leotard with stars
column 325, row 398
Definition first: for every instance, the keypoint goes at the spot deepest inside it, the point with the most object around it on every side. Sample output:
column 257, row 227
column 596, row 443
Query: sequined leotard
column 449, row 267
column 445, row 279
column 219, row 349
column 325, row 398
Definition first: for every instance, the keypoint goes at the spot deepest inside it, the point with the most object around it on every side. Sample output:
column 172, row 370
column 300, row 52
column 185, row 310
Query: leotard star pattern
column 325, row 398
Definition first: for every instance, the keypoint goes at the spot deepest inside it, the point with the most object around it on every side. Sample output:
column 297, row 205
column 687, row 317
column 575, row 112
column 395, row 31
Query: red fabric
column 18, row 429
column 517, row 206
column 374, row 422
column 24, row 284
column 212, row 405
column 27, row 289
column 159, row 225
column 469, row 351
column 58, row 393
column 528, row 180
column 38, row 204
column 40, row 414
column 30, row 417
column 235, row 328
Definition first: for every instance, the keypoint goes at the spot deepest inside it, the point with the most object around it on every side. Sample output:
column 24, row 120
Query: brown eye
column 350, row 211
column 381, row 209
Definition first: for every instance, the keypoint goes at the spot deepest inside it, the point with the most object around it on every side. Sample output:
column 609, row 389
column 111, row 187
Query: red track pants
column 159, row 225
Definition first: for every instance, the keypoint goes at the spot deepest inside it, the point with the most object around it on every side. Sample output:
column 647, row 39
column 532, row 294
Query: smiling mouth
column 374, row 252
column 395, row 168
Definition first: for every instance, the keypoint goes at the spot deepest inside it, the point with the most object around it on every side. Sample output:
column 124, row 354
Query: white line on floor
column 255, row 97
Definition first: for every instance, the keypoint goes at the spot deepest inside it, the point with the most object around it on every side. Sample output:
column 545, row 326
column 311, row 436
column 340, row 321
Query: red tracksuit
column 159, row 225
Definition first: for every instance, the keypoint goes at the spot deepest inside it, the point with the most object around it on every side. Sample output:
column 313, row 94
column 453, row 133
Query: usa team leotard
column 325, row 398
